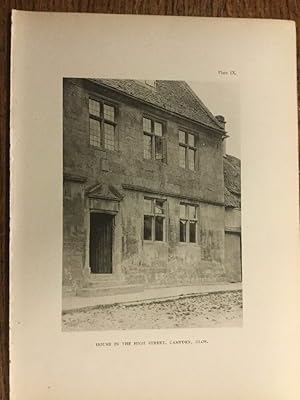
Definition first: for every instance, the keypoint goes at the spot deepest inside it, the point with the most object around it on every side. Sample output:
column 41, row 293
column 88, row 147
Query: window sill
column 102, row 148
column 164, row 242
column 189, row 244
column 152, row 160
column 102, row 152
column 188, row 170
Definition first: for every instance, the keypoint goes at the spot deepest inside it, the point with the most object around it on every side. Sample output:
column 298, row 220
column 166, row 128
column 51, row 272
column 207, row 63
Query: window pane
column 192, row 212
column 192, row 231
column 147, row 227
column 109, row 131
column 159, row 207
column 147, row 147
column 182, row 156
column 158, row 128
column 94, row 107
column 191, row 140
column 147, row 206
column 182, row 231
column 192, row 159
column 95, row 133
column 158, row 148
column 147, row 125
column 109, row 112
column 181, row 137
column 159, row 228
column 183, row 211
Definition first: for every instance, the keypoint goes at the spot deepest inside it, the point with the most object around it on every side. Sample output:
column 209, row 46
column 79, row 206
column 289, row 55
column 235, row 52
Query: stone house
column 144, row 200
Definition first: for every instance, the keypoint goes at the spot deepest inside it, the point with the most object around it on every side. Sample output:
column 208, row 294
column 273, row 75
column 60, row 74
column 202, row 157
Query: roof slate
column 173, row 96
column 232, row 181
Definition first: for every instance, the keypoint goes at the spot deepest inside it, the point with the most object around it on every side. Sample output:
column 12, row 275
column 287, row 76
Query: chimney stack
column 222, row 122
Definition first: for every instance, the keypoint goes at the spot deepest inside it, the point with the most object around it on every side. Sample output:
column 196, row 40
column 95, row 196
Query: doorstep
column 77, row 303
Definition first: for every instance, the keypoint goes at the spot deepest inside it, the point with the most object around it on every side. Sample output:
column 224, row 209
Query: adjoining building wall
column 233, row 256
column 233, row 219
column 233, row 244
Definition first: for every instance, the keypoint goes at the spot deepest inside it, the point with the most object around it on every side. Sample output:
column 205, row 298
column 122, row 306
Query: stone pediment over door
column 104, row 191
column 104, row 197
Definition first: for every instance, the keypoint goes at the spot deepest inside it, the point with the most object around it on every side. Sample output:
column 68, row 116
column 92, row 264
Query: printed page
column 154, row 208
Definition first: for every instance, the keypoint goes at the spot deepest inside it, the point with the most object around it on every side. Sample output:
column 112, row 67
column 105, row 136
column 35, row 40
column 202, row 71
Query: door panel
column 101, row 229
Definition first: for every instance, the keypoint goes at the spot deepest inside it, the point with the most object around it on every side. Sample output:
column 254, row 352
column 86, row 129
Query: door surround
column 103, row 199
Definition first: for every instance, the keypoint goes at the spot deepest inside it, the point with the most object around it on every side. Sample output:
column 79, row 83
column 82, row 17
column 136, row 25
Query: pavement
column 77, row 303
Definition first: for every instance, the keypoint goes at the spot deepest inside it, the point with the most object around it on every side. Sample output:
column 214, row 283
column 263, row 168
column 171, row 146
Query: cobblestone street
column 209, row 310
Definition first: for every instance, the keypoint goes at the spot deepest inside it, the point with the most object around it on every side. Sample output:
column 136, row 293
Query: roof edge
column 205, row 108
column 215, row 130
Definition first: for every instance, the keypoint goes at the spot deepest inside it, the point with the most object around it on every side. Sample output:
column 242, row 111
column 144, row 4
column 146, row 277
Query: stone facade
column 115, row 182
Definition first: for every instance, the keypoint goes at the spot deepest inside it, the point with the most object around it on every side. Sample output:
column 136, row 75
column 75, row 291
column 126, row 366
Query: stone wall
column 150, row 263
column 126, row 164
column 171, row 262
column 74, row 235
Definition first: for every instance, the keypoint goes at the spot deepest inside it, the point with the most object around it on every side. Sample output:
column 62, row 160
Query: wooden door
column 101, row 227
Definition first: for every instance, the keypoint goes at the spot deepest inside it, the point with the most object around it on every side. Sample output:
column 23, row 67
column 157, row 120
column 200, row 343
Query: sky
column 222, row 98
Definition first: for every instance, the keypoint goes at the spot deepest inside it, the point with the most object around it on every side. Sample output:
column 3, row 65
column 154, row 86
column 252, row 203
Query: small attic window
column 151, row 83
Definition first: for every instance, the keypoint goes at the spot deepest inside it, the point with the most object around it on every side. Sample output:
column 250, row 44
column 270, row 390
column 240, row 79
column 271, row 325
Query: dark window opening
column 192, row 231
column 147, row 227
column 154, row 219
column 158, row 148
column 159, row 229
column 182, row 231
column 188, row 223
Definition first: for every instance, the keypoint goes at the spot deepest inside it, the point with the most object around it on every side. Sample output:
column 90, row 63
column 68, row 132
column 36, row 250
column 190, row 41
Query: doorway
column 101, row 241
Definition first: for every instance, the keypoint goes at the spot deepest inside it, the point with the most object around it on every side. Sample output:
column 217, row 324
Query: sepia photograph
column 151, row 238
column 151, row 205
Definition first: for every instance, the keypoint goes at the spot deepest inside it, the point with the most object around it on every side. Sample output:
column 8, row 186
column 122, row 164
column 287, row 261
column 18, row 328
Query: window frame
column 186, row 146
column 153, row 217
column 188, row 220
column 102, row 121
column 153, row 137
